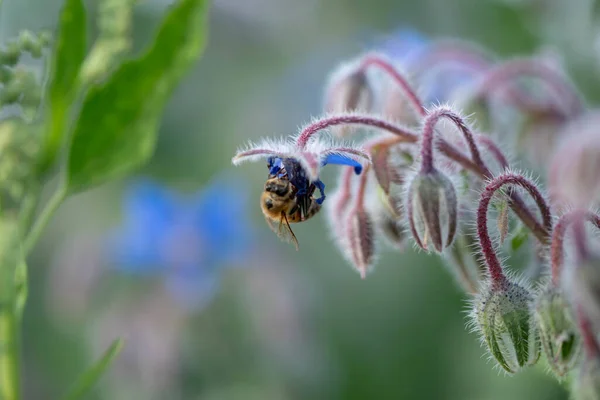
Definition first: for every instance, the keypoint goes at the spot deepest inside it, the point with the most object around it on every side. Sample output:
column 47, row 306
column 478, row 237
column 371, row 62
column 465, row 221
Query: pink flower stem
column 576, row 217
column 446, row 148
column 590, row 344
column 384, row 64
column 487, row 248
column 351, row 119
column 509, row 71
column 429, row 133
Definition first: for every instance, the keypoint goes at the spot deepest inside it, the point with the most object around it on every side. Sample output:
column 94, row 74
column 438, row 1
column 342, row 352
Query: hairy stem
column 487, row 248
column 429, row 133
column 558, row 238
column 590, row 343
column 352, row 119
column 508, row 72
column 408, row 136
column 383, row 63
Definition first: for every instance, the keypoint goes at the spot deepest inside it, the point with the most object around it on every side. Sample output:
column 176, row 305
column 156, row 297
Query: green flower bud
column 11, row 54
column 560, row 341
column 432, row 209
column 30, row 43
column 19, row 148
column 502, row 314
column 587, row 384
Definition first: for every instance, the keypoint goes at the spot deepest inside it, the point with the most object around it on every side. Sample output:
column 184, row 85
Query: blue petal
column 149, row 210
column 321, row 186
column 222, row 218
column 342, row 160
column 404, row 44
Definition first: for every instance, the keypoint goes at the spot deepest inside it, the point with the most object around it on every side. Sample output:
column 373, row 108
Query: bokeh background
column 211, row 304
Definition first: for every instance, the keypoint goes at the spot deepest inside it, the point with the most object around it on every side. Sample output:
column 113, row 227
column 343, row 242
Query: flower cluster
column 441, row 184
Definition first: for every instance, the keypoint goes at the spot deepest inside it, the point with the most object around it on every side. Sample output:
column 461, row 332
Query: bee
column 283, row 203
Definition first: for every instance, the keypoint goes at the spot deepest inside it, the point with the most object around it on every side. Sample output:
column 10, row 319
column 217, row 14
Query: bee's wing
column 283, row 230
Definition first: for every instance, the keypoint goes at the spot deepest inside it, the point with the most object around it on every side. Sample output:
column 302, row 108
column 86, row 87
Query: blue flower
column 184, row 239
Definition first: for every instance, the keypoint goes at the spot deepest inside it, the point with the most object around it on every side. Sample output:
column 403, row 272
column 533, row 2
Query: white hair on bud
column 266, row 147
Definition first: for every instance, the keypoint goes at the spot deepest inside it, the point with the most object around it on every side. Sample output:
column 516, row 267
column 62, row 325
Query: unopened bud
column 432, row 210
column 361, row 240
column 502, row 315
column 574, row 177
column 30, row 43
column 560, row 340
column 388, row 216
column 587, row 384
column 348, row 90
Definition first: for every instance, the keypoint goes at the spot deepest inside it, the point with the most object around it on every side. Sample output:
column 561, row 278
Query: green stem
column 10, row 259
column 44, row 217
column 10, row 353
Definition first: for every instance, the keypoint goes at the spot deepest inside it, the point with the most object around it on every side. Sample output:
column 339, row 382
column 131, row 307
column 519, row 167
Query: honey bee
column 283, row 203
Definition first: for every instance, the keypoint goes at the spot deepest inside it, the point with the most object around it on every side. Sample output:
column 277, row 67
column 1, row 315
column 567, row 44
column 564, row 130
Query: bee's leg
column 321, row 186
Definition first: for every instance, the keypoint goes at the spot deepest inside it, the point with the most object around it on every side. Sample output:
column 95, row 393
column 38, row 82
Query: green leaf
column 93, row 374
column 67, row 58
column 117, row 127
column 519, row 239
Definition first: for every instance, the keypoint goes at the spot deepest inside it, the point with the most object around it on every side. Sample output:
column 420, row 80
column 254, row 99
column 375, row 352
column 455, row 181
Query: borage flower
column 185, row 240
column 294, row 166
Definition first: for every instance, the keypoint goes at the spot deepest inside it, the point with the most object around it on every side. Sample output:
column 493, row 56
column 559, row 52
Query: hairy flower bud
column 560, row 341
column 361, row 240
column 432, row 210
column 348, row 90
column 587, row 384
column 502, row 314
column 387, row 213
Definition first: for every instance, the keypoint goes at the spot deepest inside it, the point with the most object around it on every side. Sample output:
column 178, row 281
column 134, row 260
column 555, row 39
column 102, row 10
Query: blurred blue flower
column 185, row 239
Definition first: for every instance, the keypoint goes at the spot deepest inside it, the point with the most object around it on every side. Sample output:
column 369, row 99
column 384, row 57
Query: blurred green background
column 290, row 325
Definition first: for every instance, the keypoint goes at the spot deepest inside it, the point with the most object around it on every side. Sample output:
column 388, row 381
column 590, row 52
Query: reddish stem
column 558, row 238
column 487, row 248
column 446, row 148
column 383, row 63
column 493, row 148
column 590, row 344
column 514, row 69
column 352, row 119
column 429, row 133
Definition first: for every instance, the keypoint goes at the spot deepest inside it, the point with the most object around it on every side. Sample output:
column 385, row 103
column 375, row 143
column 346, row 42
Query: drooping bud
column 587, row 384
column 574, row 177
column 361, row 240
column 387, row 214
column 348, row 90
column 560, row 341
column 432, row 210
column 502, row 315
